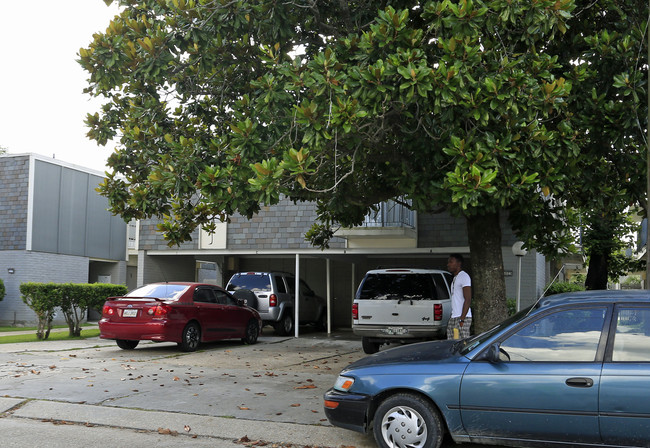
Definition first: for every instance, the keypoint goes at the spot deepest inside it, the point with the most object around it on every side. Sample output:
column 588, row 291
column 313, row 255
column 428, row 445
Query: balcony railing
column 391, row 214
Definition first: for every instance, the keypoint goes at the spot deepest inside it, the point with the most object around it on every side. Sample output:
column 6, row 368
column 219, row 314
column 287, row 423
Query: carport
column 333, row 273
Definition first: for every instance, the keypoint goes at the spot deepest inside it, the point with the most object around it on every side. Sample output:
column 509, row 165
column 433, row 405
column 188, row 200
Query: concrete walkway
column 68, row 392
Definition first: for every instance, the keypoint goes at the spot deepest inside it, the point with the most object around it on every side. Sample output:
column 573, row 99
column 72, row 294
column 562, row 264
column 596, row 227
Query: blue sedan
column 573, row 370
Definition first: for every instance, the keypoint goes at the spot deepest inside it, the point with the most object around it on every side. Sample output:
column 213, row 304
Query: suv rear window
column 397, row 286
column 254, row 282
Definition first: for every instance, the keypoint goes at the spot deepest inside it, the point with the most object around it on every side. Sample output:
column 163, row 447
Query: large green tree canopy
column 220, row 106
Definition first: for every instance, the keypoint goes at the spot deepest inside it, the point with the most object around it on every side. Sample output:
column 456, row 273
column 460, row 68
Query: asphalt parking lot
column 226, row 394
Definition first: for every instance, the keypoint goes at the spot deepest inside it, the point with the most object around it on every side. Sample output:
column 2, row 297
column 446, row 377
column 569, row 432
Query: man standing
column 461, row 297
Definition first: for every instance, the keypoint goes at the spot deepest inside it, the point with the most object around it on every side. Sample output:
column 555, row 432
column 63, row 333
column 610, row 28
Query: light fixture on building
column 11, row 271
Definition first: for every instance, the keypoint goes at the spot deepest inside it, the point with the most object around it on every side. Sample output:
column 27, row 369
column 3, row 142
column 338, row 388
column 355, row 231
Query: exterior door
column 207, row 312
column 233, row 318
column 625, row 384
column 547, row 390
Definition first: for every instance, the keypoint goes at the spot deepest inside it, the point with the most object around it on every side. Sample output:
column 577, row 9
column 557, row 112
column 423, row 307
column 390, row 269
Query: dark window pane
column 279, row 284
column 204, row 295
column 397, row 286
column 261, row 282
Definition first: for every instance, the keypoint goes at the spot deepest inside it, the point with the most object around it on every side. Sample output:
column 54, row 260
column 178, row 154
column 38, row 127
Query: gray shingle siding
column 444, row 230
column 282, row 226
column 14, row 186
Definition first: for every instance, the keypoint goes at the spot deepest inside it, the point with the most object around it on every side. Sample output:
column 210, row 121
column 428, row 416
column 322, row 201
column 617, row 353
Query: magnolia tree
column 219, row 107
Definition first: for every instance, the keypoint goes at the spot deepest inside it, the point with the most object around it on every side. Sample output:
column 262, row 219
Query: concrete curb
column 176, row 423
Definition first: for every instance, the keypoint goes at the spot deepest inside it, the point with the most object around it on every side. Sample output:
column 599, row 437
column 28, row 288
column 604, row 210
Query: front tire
column 252, row 332
column 191, row 337
column 407, row 421
column 284, row 327
column 126, row 345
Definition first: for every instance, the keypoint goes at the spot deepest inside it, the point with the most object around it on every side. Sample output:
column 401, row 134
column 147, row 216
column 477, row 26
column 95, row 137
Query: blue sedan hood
column 420, row 352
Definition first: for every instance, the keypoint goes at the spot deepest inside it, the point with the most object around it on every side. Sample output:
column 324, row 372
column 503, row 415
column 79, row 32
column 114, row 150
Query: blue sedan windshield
column 467, row 345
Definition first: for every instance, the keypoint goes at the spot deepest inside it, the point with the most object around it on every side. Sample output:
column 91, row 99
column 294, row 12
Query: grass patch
column 54, row 336
column 9, row 328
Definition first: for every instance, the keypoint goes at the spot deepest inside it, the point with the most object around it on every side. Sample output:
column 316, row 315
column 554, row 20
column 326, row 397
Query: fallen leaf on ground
column 167, row 431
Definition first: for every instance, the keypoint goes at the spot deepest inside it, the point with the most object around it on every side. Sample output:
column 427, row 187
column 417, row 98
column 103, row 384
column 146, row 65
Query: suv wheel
column 284, row 327
column 369, row 346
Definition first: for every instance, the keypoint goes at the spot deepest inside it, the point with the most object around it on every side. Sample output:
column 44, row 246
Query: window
column 569, row 335
column 291, row 285
column 397, row 287
column 441, row 288
column 279, row 284
column 223, row 298
column 305, row 290
column 254, row 282
column 164, row 291
column 204, row 295
column 632, row 337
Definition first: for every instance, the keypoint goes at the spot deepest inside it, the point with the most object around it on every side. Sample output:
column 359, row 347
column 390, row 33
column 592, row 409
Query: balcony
column 393, row 225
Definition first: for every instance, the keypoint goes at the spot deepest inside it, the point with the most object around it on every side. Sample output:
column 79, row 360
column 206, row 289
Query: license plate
column 395, row 330
column 129, row 313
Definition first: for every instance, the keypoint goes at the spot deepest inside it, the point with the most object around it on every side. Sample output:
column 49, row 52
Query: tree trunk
column 597, row 272
column 488, row 281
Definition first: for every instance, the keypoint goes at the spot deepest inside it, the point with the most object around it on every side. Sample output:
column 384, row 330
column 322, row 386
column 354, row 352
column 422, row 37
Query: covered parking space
column 333, row 274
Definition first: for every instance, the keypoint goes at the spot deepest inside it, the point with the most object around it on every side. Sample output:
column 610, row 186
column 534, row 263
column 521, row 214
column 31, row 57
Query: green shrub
column 73, row 299
column 41, row 299
column 3, row 291
column 560, row 287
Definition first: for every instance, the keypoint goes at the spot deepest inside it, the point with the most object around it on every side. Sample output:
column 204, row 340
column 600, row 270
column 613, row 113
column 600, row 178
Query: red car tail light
column 437, row 312
column 108, row 311
column 159, row 311
column 273, row 300
column 355, row 311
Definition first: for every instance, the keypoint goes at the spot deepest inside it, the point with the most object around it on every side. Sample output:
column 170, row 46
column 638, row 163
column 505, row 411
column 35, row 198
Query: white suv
column 272, row 295
column 401, row 305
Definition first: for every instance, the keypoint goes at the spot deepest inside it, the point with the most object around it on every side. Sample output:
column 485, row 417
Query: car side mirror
column 491, row 354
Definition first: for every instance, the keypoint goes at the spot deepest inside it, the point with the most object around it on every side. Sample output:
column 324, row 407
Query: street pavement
column 227, row 394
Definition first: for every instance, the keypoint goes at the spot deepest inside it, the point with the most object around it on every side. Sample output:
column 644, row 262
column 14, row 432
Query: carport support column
column 354, row 289
column 329, row 297
column 297, row 292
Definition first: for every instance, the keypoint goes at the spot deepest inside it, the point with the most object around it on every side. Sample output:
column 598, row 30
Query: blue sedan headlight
column 343, row 383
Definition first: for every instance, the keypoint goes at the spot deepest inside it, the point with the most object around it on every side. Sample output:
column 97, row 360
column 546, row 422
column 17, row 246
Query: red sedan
column 185, row 313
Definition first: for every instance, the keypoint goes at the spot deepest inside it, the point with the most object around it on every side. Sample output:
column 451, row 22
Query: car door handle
column 580, row 382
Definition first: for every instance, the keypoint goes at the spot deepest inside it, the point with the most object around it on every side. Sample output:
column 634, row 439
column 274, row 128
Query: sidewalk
column 184, row 427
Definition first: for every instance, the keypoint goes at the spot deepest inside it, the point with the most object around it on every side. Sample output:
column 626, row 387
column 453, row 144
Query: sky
column 42, row 104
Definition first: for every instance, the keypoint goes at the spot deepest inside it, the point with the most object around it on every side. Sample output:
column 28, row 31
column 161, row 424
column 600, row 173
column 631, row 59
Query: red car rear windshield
column 166, row 291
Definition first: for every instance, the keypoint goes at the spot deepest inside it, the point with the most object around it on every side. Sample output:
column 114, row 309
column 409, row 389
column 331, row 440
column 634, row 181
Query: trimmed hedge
column 560, row 287
column 3, row 291
column 73, row 299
